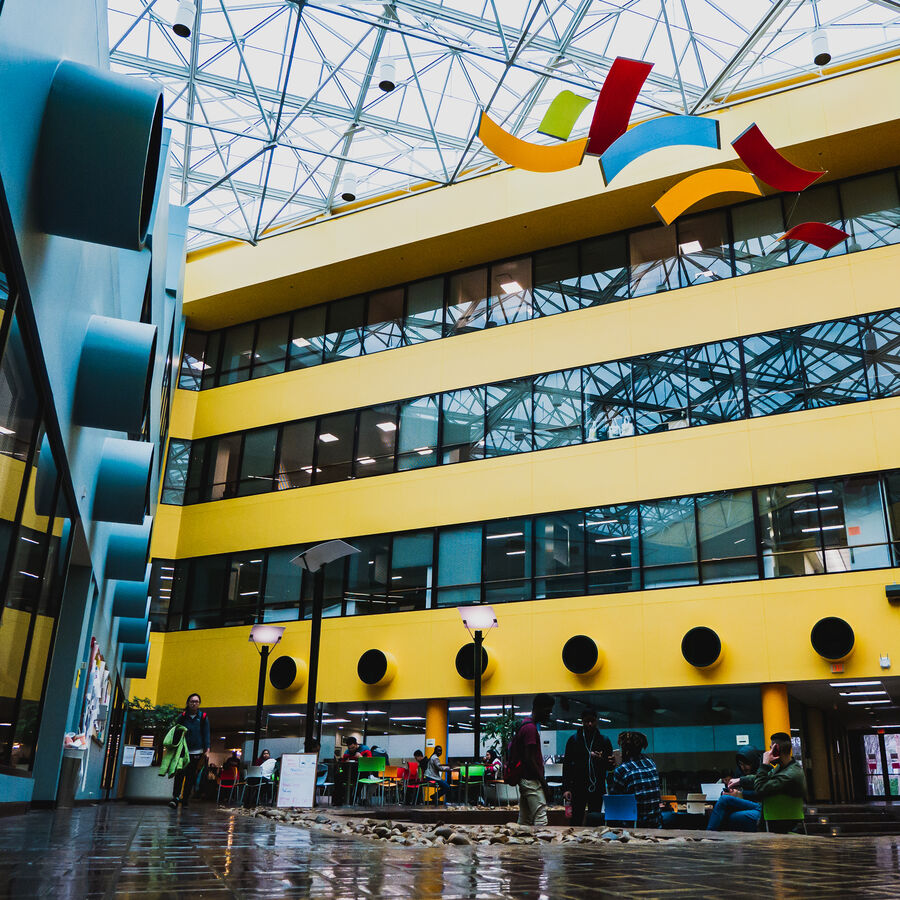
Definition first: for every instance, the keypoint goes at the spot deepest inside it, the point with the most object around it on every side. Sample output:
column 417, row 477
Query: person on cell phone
column 589, row 756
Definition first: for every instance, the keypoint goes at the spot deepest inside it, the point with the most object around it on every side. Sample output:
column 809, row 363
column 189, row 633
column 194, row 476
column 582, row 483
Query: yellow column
column 816, row 754
column 774, row 710
column 436, row 727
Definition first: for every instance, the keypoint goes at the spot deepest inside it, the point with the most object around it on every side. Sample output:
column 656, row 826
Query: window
column 424, row 311
column 281, row 600
column 196, row 491
column 881, row 342
column 384, row 321
column 192, row 360
column 815, row 204
column 660, row 392
column 556, row 282
column 417, row 444
column 715, row 385
column 211, row 360
column 559, row 555
column 613, row 548
column 258, row 461
column 307, row 338
column 175, row 482
column 334, row 447
column 467, row 302
column 669, row 542
column 243, row 589
column 872, row 211
column 343, row 339
column 727, row 537
column 833, row 368
column 459, row 566
column 704, row 250
column 368, row 576
column 377, row 440
column 224, row 455
column 272, row 342
column 604, row 270
column 774, row 376
column 511, row 299
column 508, row 418
column 608, row 401
column 557, row 409
column 206, row 589
column 237, row 353
column 462, row 421
column 507, row 560
column 411, row 571
column 295, row 461
column 892, row 498
column 757, row 227
column 851, row 517
column 789, row 529
column 654, row 260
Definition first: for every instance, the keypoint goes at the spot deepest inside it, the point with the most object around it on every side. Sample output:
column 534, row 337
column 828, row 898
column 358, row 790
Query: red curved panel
column 614, row 105
column 767, row 163
column 818, row 233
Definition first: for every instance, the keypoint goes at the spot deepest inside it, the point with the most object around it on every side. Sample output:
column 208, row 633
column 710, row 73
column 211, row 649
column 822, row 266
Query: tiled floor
column 124, row 851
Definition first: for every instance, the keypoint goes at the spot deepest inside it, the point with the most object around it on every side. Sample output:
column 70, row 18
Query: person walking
column 637, row 775
column 588, row 758
column 526, row 767
column 196, row 725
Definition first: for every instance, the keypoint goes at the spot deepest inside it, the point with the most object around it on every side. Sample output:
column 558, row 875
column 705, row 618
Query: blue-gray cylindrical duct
column 133, row 631
column 99, row 156
column 131, row 599
column 45, row 480
column 122, row 490
column 136, row 653
column 134, row 670
column 115, row 370
column 127, row 550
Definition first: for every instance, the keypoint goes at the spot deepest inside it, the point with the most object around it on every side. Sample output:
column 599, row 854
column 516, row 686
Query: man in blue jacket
column 197, row 737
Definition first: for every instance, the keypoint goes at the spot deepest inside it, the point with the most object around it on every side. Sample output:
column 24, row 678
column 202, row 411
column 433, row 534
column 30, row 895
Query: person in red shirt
column 529, row 762
column 355, row 750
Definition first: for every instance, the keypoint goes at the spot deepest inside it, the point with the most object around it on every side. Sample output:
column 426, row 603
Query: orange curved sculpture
column 701, row 185
column 525, row 155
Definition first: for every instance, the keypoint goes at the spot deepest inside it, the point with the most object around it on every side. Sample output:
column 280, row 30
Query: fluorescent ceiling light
column 327, row 437
column 459, row 708
column 29, row 574
column 424, row 451
column 5, row 430
column 865, row 702
column 515, row 552
column 606, row 540
column 812, row 509
column 840, row 684
column 386, row 426
column 300, row 342
column 365, row 460
column 691, row 247
column 407, row 718
column 823, row 528
column 603, row 522
column 245, row 732
column 496, row 537
column 366, row 712
column 861, row 693
column 336, row 721
column 809, row 494
column 248, row 593
column 287, row 715
column 511, row 287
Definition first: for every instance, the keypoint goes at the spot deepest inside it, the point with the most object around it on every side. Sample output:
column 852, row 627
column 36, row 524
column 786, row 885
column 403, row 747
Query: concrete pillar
column 817, row 755
column 436, row 727
column 774, row 710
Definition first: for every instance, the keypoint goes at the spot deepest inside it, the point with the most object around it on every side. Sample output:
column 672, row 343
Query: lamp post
column 261, row 636
column 477, row 620
column 314, row 560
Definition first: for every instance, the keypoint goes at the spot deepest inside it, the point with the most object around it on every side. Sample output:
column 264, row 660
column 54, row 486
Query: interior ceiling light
column 865, row 702
column 327, row 438
column 387, row 75
column 860, row 693
column 349, row 188
column 386, row 426
column 185, row 18
column 821, row 53
column 300, row 342
column 366, row 712
column 843, row 684
column 691, row 247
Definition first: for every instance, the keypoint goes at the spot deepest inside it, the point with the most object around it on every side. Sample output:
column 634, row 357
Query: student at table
column 434, row 773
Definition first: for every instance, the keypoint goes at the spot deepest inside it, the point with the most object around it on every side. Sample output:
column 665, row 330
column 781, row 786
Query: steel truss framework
column 273, row 103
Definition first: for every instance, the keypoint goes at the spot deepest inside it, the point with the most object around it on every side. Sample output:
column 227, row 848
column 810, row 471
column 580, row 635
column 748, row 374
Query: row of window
column 695, row 250
column 838, row 524
column 811, row 366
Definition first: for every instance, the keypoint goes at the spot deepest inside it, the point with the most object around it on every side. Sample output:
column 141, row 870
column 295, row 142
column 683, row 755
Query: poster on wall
column 297, row 786
column 96, row 696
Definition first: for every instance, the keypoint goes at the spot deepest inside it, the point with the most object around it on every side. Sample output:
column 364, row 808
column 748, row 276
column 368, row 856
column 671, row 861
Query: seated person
column 493, row 768
column 778, row 774
column 230, row 773
column 434, row 773
column 747, row 761
column 265, row 762
column 417, row 766
column 355, row 750
column 637, row 775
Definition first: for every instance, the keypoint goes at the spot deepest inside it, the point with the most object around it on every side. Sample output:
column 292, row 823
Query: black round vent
column 580, row 654
column 283, row 673
column 701, row 647
column 465, row 661
column 832, row 638
column 372, row 667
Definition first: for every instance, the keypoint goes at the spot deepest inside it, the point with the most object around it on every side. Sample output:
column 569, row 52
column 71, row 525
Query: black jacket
column 579, row 766
column 197, row 731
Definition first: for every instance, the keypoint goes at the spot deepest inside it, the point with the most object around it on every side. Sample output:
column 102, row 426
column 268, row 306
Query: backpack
column 515, row 766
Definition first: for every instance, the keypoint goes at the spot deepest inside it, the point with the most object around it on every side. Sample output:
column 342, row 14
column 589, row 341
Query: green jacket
column 778, row 779
column 175, row 752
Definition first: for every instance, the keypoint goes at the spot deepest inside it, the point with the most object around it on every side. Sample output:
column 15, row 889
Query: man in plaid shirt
column 637, row 775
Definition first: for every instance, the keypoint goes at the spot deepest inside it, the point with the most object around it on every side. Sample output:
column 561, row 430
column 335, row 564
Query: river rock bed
column 410, row 834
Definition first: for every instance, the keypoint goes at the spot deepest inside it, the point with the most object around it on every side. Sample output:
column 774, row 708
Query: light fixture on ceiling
column 691, row 247
column 509, row 285
column 386, row 426
column 821, row 53
column 348, row 188
column 185, row 18
column 326, row 437
column 387, row 75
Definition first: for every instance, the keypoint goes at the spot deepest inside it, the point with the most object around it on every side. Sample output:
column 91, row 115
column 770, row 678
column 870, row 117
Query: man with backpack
column 526, row 763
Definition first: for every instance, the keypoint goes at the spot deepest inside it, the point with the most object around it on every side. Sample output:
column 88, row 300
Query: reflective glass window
column 892, row 498
column 704, row 250
column 833, row 368
column 726, row 523
column 871, row 210
column 307, row 337
column 881, row 343
column 384, row 321
column 175, row 481
column 272, row 341
column 557, row 409
column 368, row 575
column 774, row 374
column 507, row 560
column 459, row 565
column 462, row 425
column 295, row 461
column 242, row 591
column 412, row 576
column 196, row 491
column 556, row 281
column 819, row 203
column 192, row 360
column 467, row 302
column 757, row 227
column 377, row 440
column 613, row 548
column 660, row 392
column 224, row 454
column 608, row 401
column 669, row 542
column 417, row 443
column 211, row 360
column 237, row 353
column 604, row 270
column 715, row 384
column 653, row 254
column 334, row 447
column 424, row 311
column 258, row 461
column 510, row 288
column 281, row 599
column 205, row 594
column 559, row 555
column 789, row 528
column 333, row 590
column 509, row 418
column 343, row 338
column 851, row 516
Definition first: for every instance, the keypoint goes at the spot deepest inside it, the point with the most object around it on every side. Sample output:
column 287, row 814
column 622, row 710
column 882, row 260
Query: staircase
column 852, row 819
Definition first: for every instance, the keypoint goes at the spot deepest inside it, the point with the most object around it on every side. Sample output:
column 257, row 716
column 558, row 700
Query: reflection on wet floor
column 121, row 851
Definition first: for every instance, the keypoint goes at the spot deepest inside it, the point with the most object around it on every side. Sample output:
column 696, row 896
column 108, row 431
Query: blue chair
column 322, row 782
column 620, row 808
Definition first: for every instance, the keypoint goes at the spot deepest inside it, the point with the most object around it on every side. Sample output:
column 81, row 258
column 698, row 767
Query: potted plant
column 145, row 717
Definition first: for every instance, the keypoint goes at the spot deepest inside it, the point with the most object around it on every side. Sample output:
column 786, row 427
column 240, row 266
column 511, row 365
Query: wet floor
column 122, row 851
